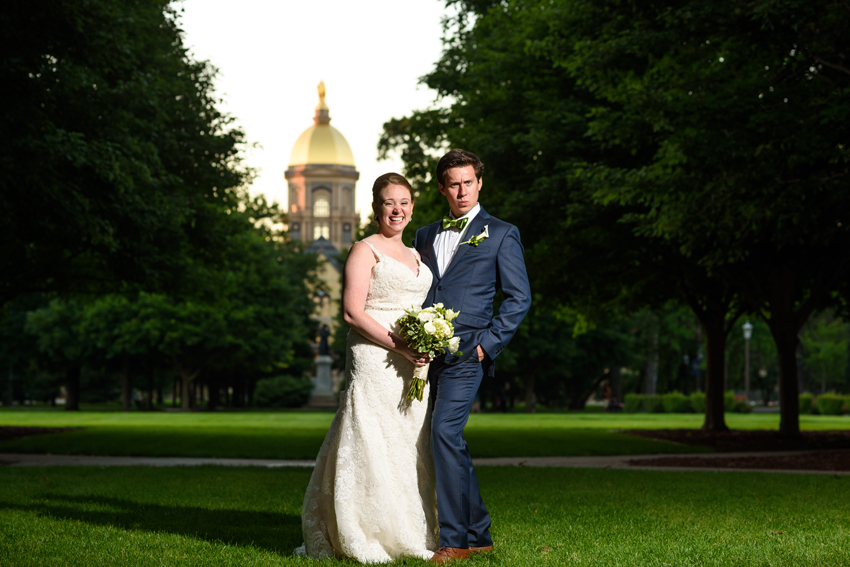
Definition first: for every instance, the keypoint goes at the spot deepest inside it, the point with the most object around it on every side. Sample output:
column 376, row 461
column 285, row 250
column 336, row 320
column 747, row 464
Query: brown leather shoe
column 447, row 554
column 485, row 549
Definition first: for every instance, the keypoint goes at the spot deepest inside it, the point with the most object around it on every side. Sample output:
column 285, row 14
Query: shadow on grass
column 276, row 532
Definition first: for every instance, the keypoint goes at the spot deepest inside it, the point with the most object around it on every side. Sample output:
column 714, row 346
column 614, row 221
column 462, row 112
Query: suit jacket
column 471, row 281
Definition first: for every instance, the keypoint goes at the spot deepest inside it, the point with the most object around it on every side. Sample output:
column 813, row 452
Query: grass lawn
column 251, row 517
column 298, row 434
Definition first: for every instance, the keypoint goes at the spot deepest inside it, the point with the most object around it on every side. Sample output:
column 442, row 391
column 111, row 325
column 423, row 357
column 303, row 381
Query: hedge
column 830, row 404
column 282, row 392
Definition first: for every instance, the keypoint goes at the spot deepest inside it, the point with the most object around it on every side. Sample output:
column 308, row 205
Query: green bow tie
column 457, row 223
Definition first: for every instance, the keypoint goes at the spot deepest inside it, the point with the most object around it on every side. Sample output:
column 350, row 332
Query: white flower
column 454, row 343
column 425, row 316
column 478, row 238
column 430, row 328
column 443, row 328
column 438, row 305
column 450, row 315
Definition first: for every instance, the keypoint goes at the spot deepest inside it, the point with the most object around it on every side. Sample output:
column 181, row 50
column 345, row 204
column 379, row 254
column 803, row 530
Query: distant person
column 613, row 403
column 372, row 495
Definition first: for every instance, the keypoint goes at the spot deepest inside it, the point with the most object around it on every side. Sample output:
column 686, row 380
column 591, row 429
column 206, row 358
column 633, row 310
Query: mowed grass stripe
column 251, row 517
column 304, row 443
column 290, row 419
column 298, row 434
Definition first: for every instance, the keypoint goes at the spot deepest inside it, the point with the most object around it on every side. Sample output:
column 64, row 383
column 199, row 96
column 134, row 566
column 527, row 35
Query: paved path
column 614, row 462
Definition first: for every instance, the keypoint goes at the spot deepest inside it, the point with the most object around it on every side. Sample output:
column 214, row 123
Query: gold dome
column 321, row 143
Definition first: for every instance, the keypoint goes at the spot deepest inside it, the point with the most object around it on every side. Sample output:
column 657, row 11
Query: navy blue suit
column 469, row 286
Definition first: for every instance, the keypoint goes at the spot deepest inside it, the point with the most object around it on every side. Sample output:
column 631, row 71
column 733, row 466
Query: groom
column 472, row 256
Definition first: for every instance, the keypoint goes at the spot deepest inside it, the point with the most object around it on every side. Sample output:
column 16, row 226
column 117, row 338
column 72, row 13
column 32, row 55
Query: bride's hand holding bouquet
column 427, row 331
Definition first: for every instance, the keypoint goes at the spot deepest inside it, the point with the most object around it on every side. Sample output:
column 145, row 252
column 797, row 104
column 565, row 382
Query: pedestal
column 323, row 394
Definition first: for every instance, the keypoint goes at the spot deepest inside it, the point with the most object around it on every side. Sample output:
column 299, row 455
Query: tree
column 114, row 162
column 529, row 119
column 749, row 170
column 61, row 339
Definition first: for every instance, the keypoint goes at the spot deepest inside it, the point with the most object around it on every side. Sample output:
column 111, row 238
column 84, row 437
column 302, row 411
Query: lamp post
column 748, row 333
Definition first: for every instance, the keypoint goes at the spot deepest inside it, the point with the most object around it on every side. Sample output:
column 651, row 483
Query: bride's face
column 396, row 208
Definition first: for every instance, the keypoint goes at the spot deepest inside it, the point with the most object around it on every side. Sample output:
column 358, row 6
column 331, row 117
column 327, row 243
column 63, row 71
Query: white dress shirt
column 448, row 240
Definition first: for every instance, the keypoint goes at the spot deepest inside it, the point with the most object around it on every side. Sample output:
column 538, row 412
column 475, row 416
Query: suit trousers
column 464, row 520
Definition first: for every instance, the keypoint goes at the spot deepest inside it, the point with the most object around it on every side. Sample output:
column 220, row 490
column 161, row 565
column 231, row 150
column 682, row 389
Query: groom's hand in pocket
column 481, row 353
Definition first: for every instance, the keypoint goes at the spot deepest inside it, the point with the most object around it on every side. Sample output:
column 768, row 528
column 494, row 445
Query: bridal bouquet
column 427, row 330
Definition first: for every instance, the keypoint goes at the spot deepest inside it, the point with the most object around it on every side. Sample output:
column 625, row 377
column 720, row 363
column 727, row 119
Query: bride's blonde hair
column 382, row 183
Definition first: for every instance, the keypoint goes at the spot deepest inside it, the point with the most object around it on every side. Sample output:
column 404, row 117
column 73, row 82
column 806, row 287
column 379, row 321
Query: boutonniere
column 478, row 239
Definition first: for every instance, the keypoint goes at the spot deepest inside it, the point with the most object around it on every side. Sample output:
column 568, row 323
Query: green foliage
column 675, row 402
column 429, row 330
column 697, row 400
column 633, row 403
column 664, row 150
column 729, row 401
column 562, row 368
column 282, row 392
column 826, row 343
column 805, row 400
column 647, row 403
column 116, row 164
column 742, row 406
column 831, row 404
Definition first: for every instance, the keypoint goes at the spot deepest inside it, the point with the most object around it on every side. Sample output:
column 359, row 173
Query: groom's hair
column 458, row 158
column 382, row 183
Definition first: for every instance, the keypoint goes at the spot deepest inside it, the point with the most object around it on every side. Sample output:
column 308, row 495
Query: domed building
column 322, row 178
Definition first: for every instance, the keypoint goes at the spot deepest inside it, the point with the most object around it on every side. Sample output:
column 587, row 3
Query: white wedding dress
column 372, row 495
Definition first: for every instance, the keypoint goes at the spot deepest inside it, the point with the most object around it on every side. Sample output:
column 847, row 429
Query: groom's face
column 461, row 189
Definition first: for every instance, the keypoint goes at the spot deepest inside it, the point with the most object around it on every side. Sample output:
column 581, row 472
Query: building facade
column 322, row 179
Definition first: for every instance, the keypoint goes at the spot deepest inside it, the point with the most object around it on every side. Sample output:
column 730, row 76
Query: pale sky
column 271, row 55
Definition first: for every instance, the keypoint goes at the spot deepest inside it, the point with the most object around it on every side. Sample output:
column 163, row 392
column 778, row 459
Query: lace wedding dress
column 372, row 495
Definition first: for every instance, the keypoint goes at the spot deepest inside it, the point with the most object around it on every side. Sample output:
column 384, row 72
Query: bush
column 282, row 392
column 729, row 401
column 743, row 406
column 698, row 402
column 805, row 401
column 830, row 404
column 633, row 403
column 652, row 403
column 675, row 402
column 647, row 403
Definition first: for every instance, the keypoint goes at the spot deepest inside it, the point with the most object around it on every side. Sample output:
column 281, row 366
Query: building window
column 295, row 231
column 346, row 233
column 323, row 230
column 321, row 206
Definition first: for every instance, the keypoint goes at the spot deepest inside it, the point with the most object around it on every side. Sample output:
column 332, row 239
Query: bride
column 372, row 495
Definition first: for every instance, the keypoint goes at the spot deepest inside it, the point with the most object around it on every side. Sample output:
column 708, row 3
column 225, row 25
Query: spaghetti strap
column 378, row 255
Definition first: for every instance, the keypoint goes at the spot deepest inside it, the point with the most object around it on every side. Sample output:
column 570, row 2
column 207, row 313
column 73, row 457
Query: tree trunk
column 125, row 384
column 238, row 398
column 184, row 393
column 651, row 377
column 529, row 393
column 10, row 391
column 615, row 381
column 715, row 335
column 578, row 402
column 214, row 381
column 72, row 388
column 187, row 384
column 789, row 395
column 151, row 381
